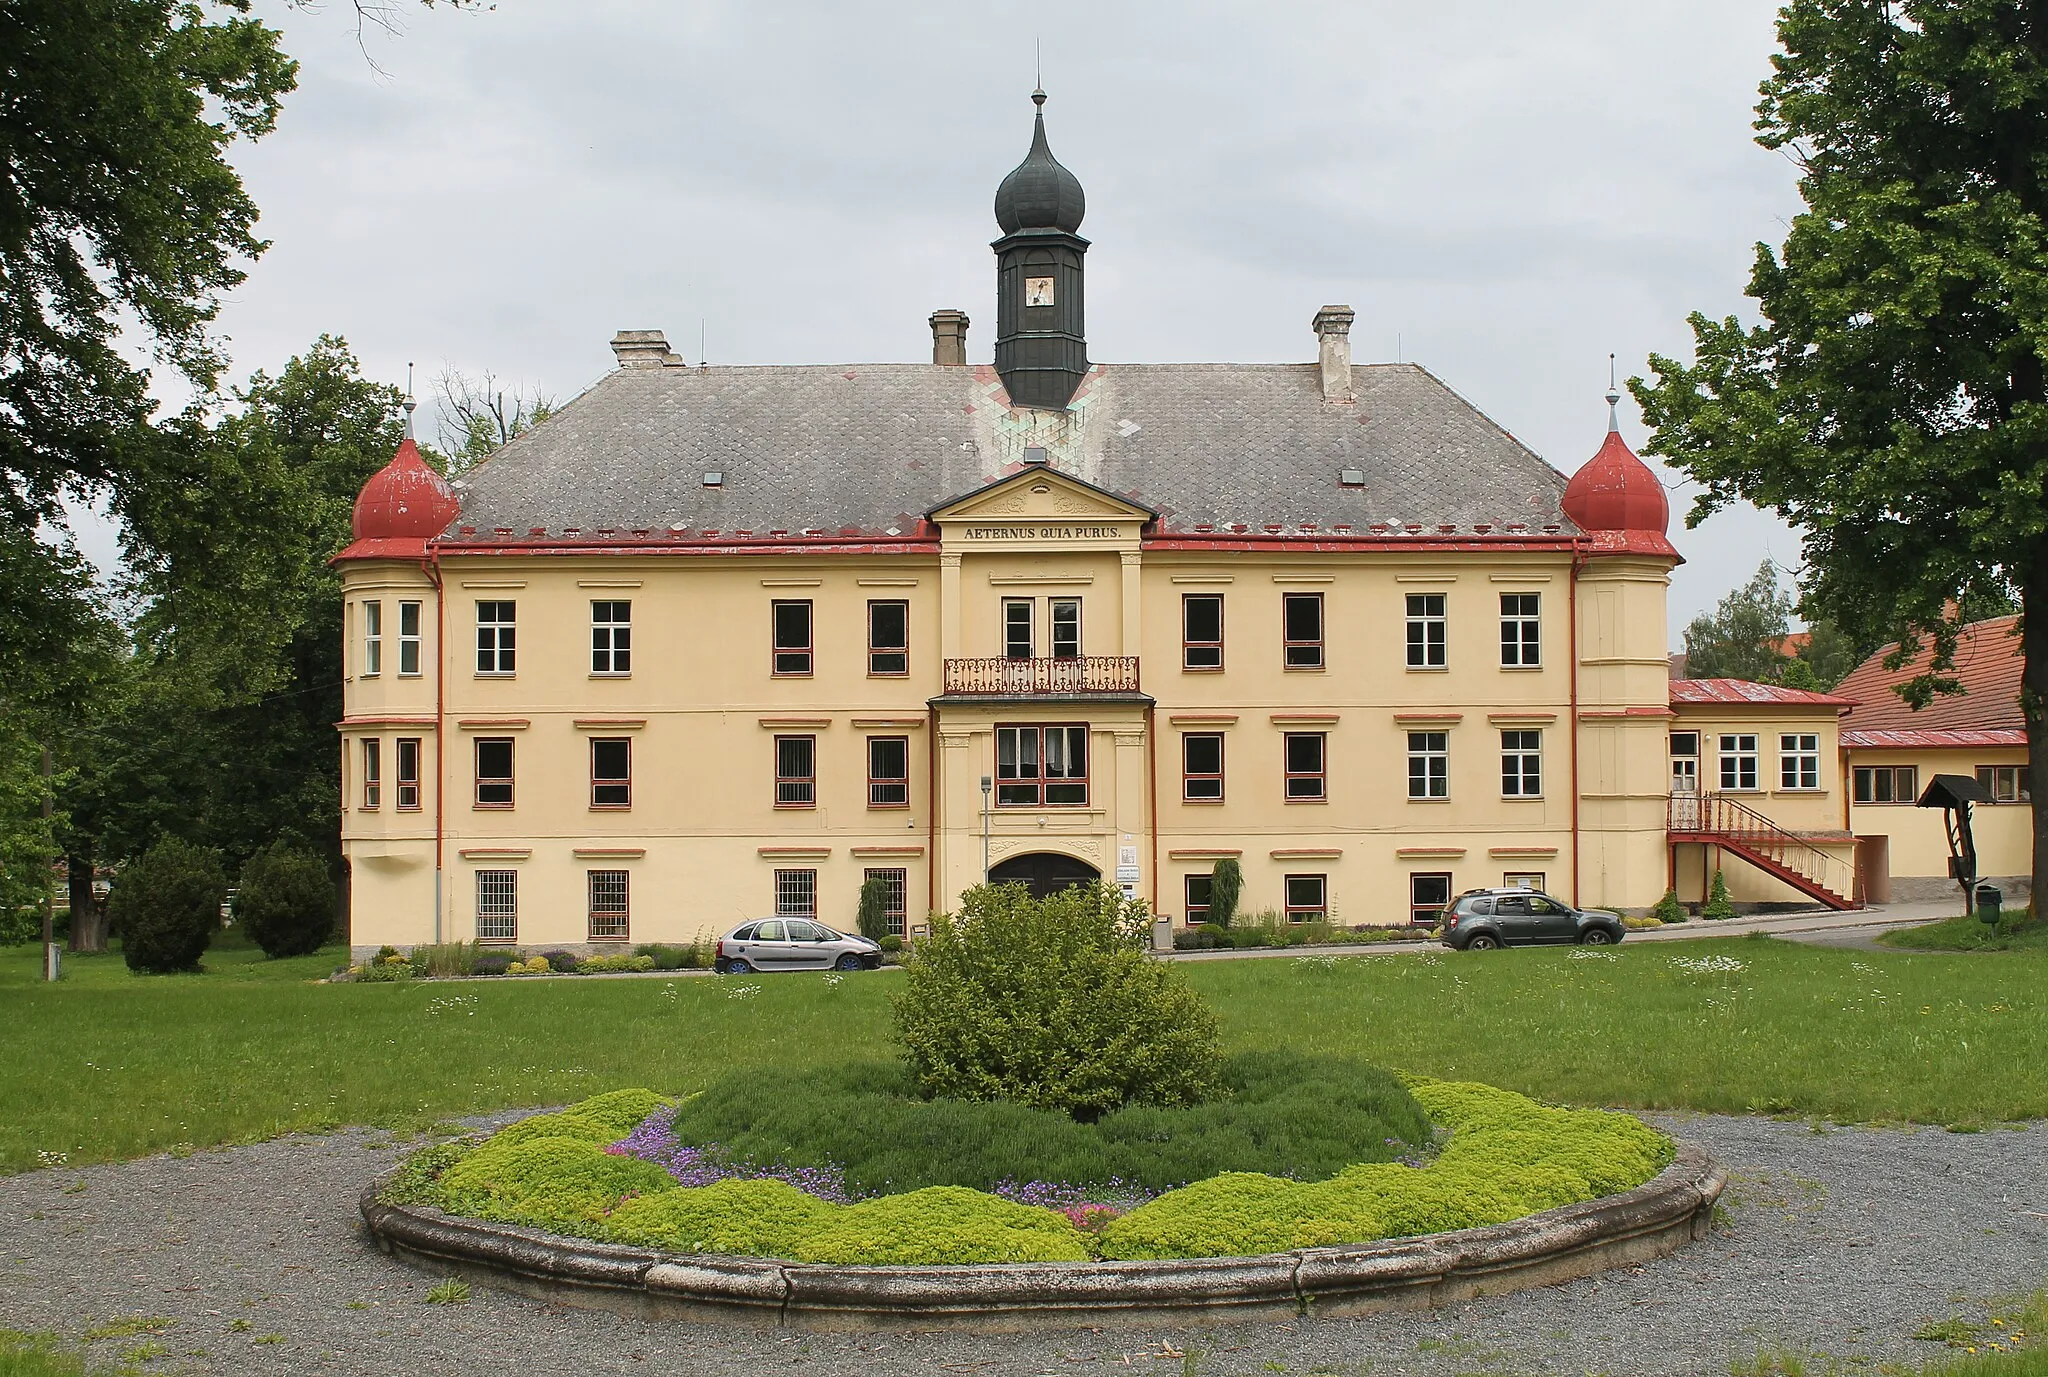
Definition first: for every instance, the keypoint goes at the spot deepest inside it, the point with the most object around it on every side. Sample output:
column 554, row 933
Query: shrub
column 377, row 972
column 490, row 963
column 532, row 965
column 1226, row 884
column 565, row 962
column 668, row 957
column 1052, row 1003
column 1717, row 905
column 286, row 902
column 872, row 916
column 1283, row 1113
column 892, row 943
column 444, row 958
column 167, row 905
column 617, row 962
column 1668, row 909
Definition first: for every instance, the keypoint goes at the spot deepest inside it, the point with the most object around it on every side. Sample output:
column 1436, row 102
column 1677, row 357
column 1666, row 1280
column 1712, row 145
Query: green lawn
column 109, row 1065
column 2016, row 930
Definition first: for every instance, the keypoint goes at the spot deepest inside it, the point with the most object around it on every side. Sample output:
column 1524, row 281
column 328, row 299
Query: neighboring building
column 1893, row 751
column 715, row 643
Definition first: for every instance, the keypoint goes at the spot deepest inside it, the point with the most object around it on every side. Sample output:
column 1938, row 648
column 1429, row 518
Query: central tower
column 1041, row 334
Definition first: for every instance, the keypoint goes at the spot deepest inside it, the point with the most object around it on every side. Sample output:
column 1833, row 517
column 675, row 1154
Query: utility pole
column 50, row 971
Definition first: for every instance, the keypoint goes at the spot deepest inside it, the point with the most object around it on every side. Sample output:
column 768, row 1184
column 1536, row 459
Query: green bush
column 1226, row 884
column 1280, row 1112
column 491, row 963
column 892, row 943
column 167, row 906
column 1052, row 1003
column 1508, row 1156
column 1668, row 909
column 618, row 962
column 1717, row 905
column 669, row 957
column 872, row 915
column 445, row 958
column 285, row 901
column 383, row 972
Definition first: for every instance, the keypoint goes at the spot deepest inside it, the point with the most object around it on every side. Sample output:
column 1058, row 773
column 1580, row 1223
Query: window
column 1889, row 783
column 1530, row 879
column 373, row 639
column 408, row 773
column 611, row 772
column 1798, row 760
column 1017, row 618
column 1301, row 621
column 1307, row 898
column 1202, row 767
column 1738, row 761
column 1066, row 628
column 1429, row 765
column 1041, row 767
column 1428, row 632
column 796, row 893
column 888, row 772
column 895, row 897
column 1302, row 760
column 2007, row 783
column 495, row 635
column 888, row 638
column 792, row 637
column 373, row 772
column 611, row 638
column 1428, row 895
column 1195, row 893
column 608, row 905
column 796, row 772
column 497, row 906
column 1201, row 631
column 1521, row 764
column 1521, row 630
column 408, row 638
column 494, row 772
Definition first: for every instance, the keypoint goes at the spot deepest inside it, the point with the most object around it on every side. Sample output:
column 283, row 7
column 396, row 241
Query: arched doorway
column 1043, row 872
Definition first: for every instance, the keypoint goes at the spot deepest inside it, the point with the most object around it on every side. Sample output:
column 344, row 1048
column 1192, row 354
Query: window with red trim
column 888, row 772
column 1041, row 767
column 792, row 628
column 494, row 772
column 1201, row 779
column 1201, row 631
column 373, row 772
column 611, row 772
column 1301, row 617
column 796, row 772
column 408, row 774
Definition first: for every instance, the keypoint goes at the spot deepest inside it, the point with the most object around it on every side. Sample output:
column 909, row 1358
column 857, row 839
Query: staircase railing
column 1742, row 829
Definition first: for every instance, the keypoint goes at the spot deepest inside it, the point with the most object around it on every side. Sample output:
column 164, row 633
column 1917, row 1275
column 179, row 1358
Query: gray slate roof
column 875, row 446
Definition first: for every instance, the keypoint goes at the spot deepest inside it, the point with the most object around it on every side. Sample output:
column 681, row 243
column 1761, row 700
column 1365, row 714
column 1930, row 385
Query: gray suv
column 792, row 944
column 1482, row 919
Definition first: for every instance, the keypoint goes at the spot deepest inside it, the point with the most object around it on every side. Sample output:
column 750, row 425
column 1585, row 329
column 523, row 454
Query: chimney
column 949, row 336
column 641, row 349
column 1333, row 330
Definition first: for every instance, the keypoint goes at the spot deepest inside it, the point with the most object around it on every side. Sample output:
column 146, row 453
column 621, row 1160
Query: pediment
column 1038, row 495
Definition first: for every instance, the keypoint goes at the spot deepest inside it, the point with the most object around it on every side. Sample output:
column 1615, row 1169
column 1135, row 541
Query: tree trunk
column 2034, row 708
column 88, row 922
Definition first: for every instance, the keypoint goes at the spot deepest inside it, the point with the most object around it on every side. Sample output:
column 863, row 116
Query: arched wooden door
column 1044, row 872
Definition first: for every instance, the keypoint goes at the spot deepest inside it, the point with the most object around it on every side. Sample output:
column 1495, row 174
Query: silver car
column 792, row 944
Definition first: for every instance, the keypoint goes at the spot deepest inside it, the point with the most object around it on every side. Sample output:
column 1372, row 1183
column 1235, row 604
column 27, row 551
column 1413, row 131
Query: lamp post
column 986, row 784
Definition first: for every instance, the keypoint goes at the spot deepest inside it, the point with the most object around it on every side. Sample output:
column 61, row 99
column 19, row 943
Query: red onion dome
column 405, row 500
column 1617, row 492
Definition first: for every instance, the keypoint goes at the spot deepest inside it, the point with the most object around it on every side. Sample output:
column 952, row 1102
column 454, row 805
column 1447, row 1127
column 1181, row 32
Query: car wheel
column 1482, row 941
column 739, row 966
column 848, row 962
column 1596, row 937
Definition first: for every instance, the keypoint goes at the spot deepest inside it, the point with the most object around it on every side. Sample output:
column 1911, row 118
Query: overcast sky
column 1505, row 192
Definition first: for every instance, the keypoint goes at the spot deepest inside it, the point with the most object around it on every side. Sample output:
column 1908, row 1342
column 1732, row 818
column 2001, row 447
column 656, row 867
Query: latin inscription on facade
column 1043, row 533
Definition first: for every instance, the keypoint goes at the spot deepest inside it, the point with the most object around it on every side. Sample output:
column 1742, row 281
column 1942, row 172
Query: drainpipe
column 931, row 826
column 432, row 568
column 1152, row 794
column 1572, row 615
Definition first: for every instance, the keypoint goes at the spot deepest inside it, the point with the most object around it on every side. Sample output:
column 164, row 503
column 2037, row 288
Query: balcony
column 1086, row 676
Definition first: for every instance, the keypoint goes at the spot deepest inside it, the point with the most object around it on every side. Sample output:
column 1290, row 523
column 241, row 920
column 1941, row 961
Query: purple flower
column 654, row 1140
column 1114, row 1194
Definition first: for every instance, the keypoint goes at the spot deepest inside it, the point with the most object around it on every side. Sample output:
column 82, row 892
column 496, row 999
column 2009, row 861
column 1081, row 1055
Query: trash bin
column 1162, row 934
column 1990, row 899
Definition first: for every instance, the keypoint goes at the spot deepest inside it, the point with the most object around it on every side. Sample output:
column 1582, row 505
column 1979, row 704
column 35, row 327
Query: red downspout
column 1152, row 794
column 931, row 827
column 432, row 569
column 1572, row 612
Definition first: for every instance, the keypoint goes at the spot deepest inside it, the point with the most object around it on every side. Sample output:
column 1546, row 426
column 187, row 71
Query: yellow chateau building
column 716, row 643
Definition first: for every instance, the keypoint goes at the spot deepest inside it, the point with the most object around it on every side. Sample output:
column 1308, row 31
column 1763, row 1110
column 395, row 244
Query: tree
column 119, row 208
column 1226, row 884
column 1893, row 401
column 285, row 901
column 167, row 905
column 872, row 914
column 477, row 418
column 1744, row 636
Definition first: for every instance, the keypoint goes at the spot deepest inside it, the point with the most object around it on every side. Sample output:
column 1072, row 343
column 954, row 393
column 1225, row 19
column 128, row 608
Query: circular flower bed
column 624, row 1168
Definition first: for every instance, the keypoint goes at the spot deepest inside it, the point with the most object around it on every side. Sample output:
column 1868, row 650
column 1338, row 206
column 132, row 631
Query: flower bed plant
column 610, row 1168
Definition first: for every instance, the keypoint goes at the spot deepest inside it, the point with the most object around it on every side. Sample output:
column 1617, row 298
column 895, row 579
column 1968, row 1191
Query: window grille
column 609, row 892
column 497, row 905
column 796, row 893
column 895, row 896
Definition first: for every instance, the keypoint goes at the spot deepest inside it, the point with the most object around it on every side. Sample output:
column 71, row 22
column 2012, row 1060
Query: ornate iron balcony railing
column 996, row 677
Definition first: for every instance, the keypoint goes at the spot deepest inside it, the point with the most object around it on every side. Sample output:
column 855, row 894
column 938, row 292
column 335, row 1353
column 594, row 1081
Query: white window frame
column 793, row 888
column 409, row 640
column 497, row 906
column 1799, row 762
column 1020, row 628
column 1521, row 763
column 1738, row 762
column 497, row 638
column 1431, row 752
column 1063, row 627
column 611, row 638
column 1521, row 631
column 373, row 638
column 1429, row 631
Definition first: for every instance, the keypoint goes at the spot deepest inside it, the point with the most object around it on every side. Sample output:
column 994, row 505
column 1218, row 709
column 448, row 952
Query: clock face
column 1038, row 291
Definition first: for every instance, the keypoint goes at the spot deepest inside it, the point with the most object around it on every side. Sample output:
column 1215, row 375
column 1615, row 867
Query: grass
column 132, row 1065
column 2016, row 930
column 45, row 1355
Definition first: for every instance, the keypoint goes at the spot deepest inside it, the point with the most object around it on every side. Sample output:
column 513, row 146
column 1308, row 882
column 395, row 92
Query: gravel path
column 1841, row 1242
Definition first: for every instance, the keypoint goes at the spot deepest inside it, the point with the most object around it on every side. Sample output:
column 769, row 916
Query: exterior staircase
column 1718, row 820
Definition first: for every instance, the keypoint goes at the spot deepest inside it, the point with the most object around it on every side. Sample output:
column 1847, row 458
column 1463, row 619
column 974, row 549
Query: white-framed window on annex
column 1738, row 761
column 1521, row 764
column 408, row 638
column 796, row 893
column 496, row 637
column 1799, row 760
column 611, row 637
column 373, row 638
column 895, row 881
column 497, row 905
